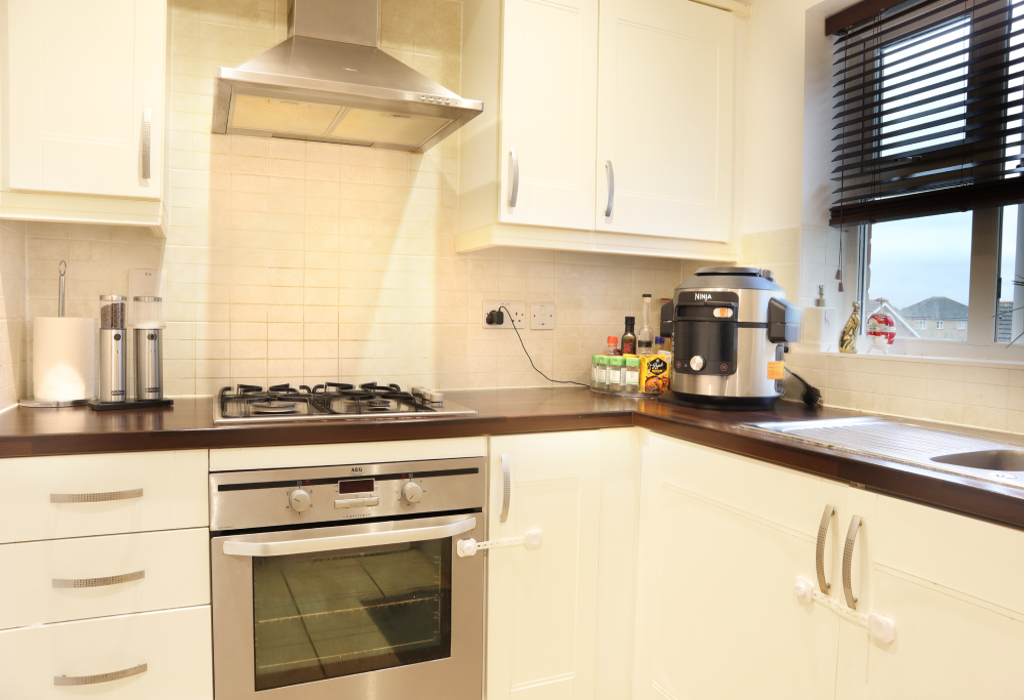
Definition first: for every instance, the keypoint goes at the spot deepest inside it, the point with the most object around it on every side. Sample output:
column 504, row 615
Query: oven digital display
column 358, row 486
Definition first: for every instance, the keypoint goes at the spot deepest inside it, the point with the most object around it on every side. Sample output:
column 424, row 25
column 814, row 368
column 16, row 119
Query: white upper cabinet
column 576, row 91
column 548, row 97
column 665, row 119
column 84, row 109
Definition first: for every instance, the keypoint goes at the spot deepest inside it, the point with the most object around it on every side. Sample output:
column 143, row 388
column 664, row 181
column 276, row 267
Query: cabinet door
column 721, row 540
column 548, row 104
column 82, row 75
column 665, row 119
column 541, row 603
column 953, row 587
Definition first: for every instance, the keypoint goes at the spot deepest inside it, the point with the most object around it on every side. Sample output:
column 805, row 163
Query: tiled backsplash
column 295, row 261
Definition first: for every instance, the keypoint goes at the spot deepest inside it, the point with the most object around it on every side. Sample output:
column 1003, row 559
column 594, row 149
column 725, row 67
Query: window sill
column 931, row 352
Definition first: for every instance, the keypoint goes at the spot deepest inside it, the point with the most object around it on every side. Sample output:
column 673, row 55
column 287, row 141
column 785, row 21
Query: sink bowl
column 990, row 460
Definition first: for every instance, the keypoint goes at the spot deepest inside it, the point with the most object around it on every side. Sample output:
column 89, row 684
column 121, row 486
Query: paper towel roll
column 64, row 358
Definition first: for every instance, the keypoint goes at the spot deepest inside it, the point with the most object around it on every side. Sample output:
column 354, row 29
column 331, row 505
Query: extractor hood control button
column 696, row 363
column 412, row 492
column 299, row 500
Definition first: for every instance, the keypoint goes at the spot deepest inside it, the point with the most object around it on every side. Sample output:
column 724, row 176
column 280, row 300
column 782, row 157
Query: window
column 926, row 164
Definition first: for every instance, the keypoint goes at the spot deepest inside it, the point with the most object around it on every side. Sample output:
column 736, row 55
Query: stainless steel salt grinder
column 148, row 324
column 113, row 349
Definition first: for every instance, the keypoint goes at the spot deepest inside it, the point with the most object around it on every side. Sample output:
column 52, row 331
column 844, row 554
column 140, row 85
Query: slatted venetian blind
column 927, row 108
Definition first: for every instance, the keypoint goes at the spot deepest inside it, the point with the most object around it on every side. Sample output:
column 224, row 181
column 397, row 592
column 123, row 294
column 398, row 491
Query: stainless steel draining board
column 898, row 442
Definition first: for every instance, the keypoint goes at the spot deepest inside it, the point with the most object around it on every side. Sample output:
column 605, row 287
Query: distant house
column 1004, row 325
column 937, row 318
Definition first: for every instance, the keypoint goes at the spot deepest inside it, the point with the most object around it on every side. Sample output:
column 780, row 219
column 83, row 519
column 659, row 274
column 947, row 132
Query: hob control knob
column 299, row 500
column 696, row 363
column 412, row 492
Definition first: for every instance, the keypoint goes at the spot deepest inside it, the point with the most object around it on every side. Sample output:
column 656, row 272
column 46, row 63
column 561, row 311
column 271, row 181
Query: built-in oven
column 345, row 582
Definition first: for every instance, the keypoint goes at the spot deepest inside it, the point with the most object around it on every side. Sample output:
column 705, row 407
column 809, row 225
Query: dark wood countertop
column 28, row 432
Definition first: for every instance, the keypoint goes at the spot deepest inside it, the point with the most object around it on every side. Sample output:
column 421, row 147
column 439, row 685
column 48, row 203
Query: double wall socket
column 514, row 312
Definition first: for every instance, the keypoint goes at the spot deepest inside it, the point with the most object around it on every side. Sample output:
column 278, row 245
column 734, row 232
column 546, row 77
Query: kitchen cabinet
column 537, row 165
column 665, row 119
column 721, row 539
column 952, row 586
column 547, row 622
column 84, row 111
column 153, row 656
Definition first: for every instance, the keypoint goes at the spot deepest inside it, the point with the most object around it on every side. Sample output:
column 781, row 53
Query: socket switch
column 514, row 311
column 542, row 316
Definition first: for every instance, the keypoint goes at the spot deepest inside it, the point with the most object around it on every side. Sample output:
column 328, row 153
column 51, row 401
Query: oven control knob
column 299, row 500
column 412, row 492
column 696, row 363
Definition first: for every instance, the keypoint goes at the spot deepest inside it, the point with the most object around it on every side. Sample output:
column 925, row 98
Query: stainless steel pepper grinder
column 148, row 325
column 113, row 350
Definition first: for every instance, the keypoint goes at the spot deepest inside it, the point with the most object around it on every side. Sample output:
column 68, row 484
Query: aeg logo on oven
column 357, row 470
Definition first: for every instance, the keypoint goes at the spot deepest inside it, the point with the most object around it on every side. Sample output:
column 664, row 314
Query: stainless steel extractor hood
column 330, row 82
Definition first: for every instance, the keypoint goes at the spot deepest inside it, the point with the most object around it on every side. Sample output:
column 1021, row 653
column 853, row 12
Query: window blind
column 928, row 96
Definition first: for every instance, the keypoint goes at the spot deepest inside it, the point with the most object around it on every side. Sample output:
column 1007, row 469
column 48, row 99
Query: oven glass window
column 330, row 614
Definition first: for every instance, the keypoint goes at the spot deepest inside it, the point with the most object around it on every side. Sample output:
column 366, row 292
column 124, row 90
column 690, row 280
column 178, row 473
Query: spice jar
column 602, row 373
column 631, row 376
column 616, row 365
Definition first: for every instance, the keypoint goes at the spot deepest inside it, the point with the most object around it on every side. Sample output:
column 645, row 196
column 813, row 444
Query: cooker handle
column 329, row 544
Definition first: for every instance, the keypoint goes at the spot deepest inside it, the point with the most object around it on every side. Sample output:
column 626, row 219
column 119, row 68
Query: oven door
column 383, row 610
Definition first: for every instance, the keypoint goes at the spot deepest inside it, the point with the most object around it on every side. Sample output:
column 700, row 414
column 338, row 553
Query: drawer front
column 61, row 580
column 149, row 656
column 44, row 498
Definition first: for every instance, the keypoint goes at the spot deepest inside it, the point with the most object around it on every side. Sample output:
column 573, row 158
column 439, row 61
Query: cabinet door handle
column 513, row 174
column 506, row 494
column 610, row 172
column 97, row 582
column 100, row 677
column 819, row 551
column 851, row 538
column 94, row 497
column 147, row 122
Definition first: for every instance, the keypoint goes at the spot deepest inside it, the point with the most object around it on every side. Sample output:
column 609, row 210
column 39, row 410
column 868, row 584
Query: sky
column 914, row 259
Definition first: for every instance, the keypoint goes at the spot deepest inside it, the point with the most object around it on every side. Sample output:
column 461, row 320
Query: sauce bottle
column 629, row 338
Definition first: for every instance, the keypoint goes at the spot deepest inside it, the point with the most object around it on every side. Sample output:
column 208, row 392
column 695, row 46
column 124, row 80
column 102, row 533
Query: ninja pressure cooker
column 730, row 330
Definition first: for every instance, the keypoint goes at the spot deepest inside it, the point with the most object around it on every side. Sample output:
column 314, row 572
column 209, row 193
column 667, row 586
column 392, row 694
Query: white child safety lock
column 880, row 628
column 467, row 548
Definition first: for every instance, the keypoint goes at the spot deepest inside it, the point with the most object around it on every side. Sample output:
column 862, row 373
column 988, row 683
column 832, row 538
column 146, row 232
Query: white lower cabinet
column 723, row 537
column 59, row 580
column 721, row 540
column 150, row 656
column 953, row 587
column 543, row 603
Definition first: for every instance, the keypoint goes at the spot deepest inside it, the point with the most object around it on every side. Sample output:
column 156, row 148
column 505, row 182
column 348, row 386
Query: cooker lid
column 726, row 277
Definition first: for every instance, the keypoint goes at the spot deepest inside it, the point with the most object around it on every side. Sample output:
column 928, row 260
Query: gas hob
column 331, row 401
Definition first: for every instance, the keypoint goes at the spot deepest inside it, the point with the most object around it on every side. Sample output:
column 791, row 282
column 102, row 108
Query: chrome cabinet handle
column 240, row 548
column 513, row 173
column 97, row 582
column 94, row 497
column 819, row 551
column 147, row 120
column 506, row 495
column 610, row 172
column 101, row 677
column 851, row 538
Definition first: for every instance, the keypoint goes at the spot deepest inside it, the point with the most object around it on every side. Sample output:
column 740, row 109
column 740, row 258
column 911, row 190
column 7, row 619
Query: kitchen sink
column 897, row 441
column 990, row 460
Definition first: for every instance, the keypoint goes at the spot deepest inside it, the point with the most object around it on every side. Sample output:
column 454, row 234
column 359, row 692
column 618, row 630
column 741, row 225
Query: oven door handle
column 239, row 548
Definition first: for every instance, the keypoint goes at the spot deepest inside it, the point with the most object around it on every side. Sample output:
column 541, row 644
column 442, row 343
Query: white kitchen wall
column 295, row 261
column 12, row 312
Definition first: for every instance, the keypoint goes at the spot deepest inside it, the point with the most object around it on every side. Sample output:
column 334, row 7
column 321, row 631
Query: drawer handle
column 851, row 538
column 97, row 582
column 819, row 551
column 100, row 677
column 94, row 497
